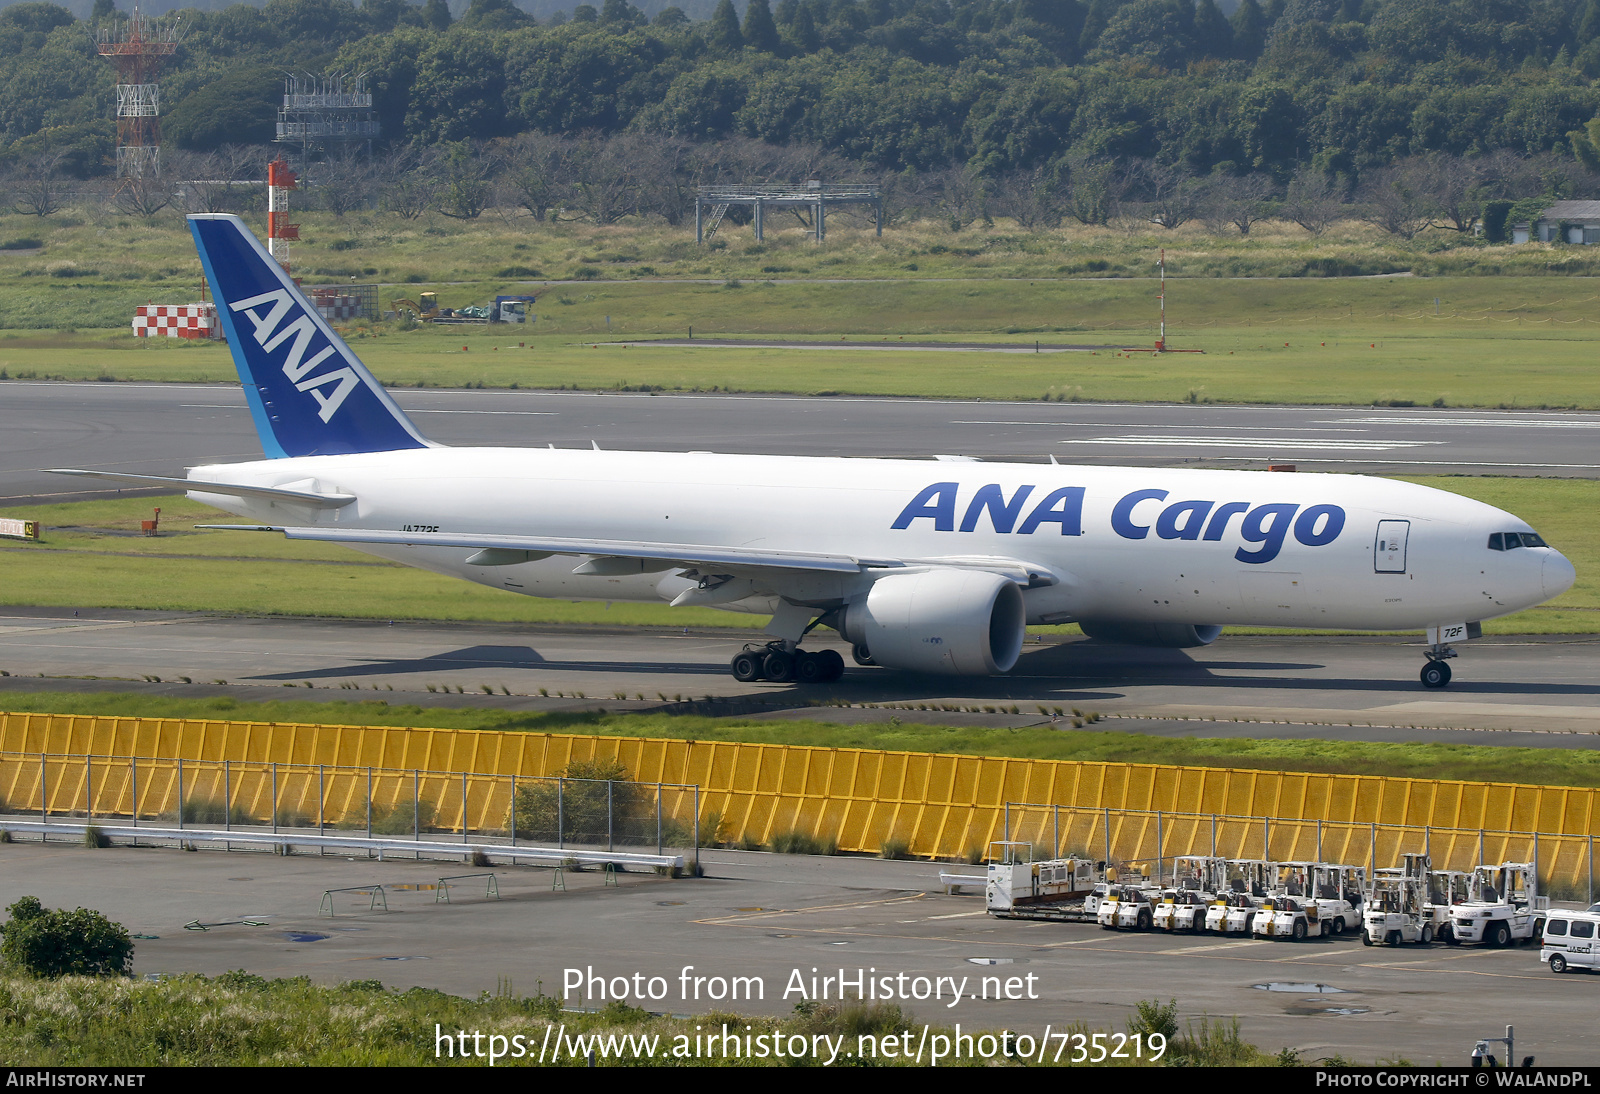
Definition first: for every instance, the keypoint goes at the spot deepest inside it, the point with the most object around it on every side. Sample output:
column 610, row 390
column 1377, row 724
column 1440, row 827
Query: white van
column 1571, row 940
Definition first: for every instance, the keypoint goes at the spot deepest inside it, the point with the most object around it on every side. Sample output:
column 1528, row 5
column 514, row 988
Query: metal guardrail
column 554, row 856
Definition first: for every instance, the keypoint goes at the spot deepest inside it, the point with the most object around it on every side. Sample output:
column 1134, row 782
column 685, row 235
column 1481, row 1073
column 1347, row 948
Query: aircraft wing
column 501, row 550
column 534, row 547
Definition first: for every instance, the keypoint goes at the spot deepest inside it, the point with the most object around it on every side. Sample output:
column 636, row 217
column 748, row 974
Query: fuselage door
column 1389, row 552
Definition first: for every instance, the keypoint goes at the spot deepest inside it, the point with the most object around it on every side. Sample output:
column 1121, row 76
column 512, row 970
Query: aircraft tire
column 862, row 655
column 779, row 667
column 832, row 663
column 746, row 667
column 1435, row 674
column 809, row 669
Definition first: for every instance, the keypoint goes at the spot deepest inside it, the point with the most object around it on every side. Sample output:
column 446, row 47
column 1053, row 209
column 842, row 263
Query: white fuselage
column 1193, row 548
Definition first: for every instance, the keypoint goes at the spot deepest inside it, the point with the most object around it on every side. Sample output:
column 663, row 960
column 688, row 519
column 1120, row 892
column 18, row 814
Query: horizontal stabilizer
column 200, row 486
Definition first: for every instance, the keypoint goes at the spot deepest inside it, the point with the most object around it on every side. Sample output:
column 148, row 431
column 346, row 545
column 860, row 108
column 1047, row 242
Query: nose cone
column 1558, row 574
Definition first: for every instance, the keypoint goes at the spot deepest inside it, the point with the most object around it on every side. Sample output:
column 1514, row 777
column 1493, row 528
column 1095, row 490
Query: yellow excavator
column 425, row 307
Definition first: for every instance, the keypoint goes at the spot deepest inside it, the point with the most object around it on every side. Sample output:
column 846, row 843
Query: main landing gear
column 772, row 662
column 1436, row 673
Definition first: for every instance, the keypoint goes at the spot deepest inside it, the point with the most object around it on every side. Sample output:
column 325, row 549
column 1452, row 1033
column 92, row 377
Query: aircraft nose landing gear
column 1436, row 673
column 772, row 662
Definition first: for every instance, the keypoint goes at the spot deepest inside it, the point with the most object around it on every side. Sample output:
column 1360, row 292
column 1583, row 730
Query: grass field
column 1481, row 763
column 1495, row 342
column 1519, row 338
column 92, row 555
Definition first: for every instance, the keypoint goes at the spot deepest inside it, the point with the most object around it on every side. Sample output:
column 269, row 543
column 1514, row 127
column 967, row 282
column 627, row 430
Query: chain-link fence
column 1152, row 838
column 445, row 806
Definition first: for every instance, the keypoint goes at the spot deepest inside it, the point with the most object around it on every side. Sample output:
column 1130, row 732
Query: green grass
column 92, row 557
column 1520, row 338
column 1498, row 342
column 240, row 1019
column 1478, row 763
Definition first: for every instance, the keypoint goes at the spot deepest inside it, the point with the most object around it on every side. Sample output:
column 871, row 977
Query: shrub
column 895, row 848
column 519, row 271
column 212, row 811
column 578, row 806
column 796, row 842
column 1152, row 1016
column 42, row 942
column 93, row 837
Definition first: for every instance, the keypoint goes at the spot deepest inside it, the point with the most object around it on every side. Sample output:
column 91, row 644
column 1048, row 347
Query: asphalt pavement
column 161, row 429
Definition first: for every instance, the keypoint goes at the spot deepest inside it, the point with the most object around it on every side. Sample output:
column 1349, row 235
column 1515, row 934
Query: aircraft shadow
column 491, row 657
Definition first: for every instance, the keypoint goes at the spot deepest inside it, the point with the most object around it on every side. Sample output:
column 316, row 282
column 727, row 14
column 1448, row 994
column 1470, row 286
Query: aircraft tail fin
column 309, row 394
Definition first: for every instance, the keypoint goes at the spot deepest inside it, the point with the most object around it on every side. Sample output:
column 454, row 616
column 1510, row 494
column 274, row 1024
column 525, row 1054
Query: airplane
column 922, row 566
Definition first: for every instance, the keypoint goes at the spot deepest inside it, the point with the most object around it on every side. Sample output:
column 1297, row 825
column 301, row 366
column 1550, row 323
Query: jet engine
column 963, row 622
column 1172, row 636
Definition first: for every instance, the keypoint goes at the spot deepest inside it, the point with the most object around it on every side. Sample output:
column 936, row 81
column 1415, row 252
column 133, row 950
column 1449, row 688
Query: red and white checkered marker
column 176, row 321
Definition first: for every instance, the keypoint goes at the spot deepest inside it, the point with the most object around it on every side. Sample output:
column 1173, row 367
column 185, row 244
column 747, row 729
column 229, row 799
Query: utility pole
column 1161, row 344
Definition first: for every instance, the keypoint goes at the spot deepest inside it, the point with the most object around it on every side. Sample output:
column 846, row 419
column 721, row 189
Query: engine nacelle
column 1172, row 636
column 961, row 622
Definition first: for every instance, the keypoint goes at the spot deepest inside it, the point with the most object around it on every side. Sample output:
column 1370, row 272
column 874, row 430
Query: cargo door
column 1389, row 552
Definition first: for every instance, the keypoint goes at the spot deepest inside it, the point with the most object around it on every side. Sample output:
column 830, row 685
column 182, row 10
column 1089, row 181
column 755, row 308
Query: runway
column 1536, row 692
column 163, row 428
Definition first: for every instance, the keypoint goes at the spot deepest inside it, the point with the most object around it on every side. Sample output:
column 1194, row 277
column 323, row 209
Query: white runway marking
column 1150, row 425
column 1518, row 423
column 1277, row 443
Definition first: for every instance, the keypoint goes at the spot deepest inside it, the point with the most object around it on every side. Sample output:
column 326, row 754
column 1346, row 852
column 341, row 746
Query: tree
column 760, row 32
column 103, row 9
column 1249, row 31
column 1094, row 188
column 410, row 189
column 239, row 107
column 436, row 13
column 723, row 30
column 1213, row 37
column 1314, row 201
column 1032, row 198
column 38, row 186
column 619, row 15
column 1395, row 199
column 465, row 171
column 1169, row 196
column 536, row 174
column 803, row 31
column 41, row 942
column 1236, row 200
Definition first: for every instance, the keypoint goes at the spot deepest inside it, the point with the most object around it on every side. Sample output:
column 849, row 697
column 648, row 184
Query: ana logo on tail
column 267, row 312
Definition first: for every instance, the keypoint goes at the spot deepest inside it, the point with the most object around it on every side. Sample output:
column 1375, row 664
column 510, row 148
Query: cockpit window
column 1506, row 541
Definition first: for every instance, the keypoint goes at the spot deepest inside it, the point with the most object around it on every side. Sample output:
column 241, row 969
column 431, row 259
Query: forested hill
column 1005, row 85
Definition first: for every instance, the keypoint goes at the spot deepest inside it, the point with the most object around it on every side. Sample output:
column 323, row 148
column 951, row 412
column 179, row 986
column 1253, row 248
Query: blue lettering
column 1266, row 525
column 1305, row 529
column 1002, row 513
column 1220, row 519
column 1167, row 526
column 1120, row 522
column 936, row 502
column 1063, row 507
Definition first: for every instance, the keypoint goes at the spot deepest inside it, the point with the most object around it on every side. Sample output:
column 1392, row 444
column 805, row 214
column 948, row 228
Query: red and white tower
column 280, row 180
column 139, row 46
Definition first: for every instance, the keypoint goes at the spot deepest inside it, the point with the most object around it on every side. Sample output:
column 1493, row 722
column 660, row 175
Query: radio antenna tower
column 139, row 46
